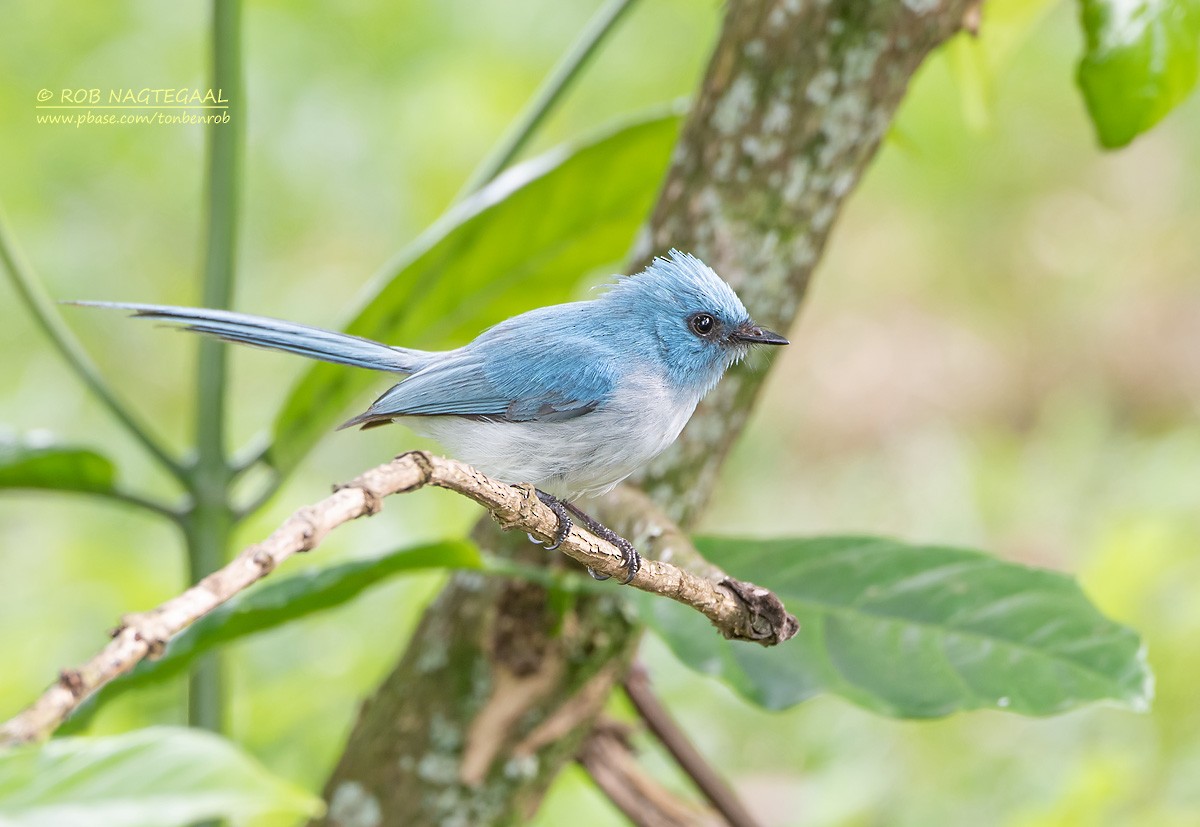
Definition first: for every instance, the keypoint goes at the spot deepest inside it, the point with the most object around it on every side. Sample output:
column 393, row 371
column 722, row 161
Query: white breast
column 581, row 457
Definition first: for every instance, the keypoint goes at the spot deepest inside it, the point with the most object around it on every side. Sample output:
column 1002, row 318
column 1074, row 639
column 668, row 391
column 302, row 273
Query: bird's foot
column 630, row 559
column 564, row 519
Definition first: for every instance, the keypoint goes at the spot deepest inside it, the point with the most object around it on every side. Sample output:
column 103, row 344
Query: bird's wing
column 511, row 381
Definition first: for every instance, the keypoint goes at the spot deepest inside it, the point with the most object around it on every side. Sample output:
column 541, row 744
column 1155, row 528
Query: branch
column 42, row 308
column 671, row 736
column 609, row 760
column 738, row 610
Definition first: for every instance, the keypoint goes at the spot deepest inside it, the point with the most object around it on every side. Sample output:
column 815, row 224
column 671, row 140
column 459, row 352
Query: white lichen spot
column 432, row 659
column 760, row 150
column 921, row 7
column 522, row 768
column 722, row 168
column 471, row 581
column 842, row 183
column 353, row 806
column 437, row 768
column 734, row 108
column 778, row 18
column 451, row 808
column 755, row 49
column 769, row 246
column 859, row 63
column 1003, row 702
column 836, row 26
column 481, row 679
column 819, row 91
column 804, row 253
column 843, row 125
column 797, row 181
column 880, row 122
column 778, row 117
column 823, row 217
column 444, row 734
column 708, row 203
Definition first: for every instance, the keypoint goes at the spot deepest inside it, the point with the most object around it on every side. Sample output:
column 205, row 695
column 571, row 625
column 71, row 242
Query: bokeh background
column 1001, row 350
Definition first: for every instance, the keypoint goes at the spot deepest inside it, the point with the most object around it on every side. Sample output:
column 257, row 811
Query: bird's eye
column 703, row 324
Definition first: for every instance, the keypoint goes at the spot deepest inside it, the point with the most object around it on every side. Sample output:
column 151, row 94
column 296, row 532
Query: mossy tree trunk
column 501, row 684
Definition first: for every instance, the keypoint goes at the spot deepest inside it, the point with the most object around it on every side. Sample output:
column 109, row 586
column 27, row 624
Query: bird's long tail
column 274, row 334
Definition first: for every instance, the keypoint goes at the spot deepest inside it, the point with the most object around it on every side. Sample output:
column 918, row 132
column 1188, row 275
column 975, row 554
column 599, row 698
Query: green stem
column 40, row 305
column 207, row 536
column 210, row 523
column 155, row 506
column 547, row 96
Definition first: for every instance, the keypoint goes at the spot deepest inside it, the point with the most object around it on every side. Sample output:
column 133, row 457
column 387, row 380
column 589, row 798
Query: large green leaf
column 37, row 465
column 913, row 631
column 1140, row 61
column 279, row 602
column 155, row 777
column 523, row 241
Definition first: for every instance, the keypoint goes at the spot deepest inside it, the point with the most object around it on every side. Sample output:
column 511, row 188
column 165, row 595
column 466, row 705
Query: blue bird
column 571, row 398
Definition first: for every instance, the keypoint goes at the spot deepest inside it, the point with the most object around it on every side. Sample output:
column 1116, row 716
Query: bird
column 569, row 398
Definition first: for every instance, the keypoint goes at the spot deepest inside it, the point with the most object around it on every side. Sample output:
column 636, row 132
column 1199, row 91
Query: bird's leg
column 564, row 519
column 630, row 559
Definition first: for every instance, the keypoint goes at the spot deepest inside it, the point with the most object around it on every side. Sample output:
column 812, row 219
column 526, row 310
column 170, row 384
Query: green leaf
column 1140, row 60
column 913, row 631
column 156, row 777
column 523, row 241
column 31, row 465
column 279, row 602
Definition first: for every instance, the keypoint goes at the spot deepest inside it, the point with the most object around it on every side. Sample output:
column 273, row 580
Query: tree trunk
column 502, row 680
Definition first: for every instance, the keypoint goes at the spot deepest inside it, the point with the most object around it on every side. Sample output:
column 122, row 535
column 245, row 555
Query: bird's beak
column 752, row 334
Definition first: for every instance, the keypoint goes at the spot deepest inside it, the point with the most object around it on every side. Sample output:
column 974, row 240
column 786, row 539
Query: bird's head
column 699, row 325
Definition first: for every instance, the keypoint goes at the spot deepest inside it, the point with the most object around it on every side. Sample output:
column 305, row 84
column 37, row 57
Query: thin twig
column 671, row 735
column 610, row 762
column 42, row 308
column 161, row 509
column 547, row 95
column 725, row 602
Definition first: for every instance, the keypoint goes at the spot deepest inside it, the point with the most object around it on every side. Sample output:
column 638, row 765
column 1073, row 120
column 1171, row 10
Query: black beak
column 752, row 334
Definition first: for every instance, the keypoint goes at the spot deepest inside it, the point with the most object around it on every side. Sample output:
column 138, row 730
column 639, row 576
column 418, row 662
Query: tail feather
column 275, row 334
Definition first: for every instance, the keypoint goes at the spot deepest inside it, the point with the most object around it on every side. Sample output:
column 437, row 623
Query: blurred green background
column 1001, row 350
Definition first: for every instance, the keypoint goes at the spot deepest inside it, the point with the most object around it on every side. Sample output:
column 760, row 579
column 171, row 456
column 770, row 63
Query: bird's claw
column 631, row 561
column 564, row 520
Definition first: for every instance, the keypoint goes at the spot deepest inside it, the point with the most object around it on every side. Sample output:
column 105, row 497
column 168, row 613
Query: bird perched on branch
column 571, row 398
